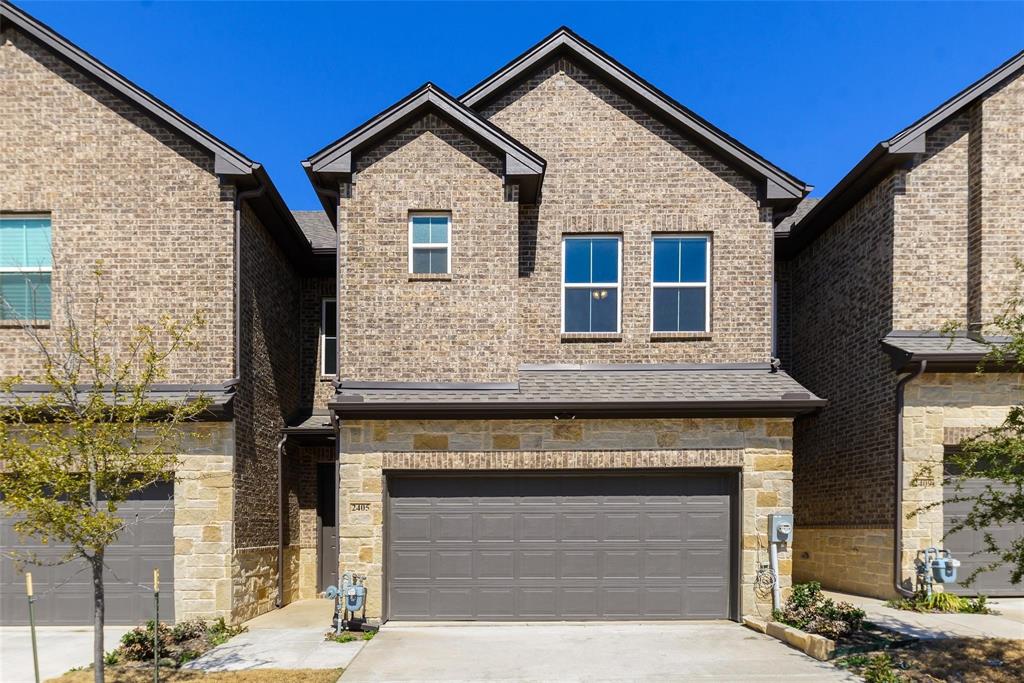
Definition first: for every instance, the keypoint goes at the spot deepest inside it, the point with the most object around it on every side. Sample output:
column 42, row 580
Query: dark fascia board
column 337, row 160
column 229, row 163
column 779, row 188
column 945, row 361
column 582, row 409
column 886, row 155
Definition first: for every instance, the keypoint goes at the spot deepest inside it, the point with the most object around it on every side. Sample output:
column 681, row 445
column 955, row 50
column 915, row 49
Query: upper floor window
column 329, row 337
column 430, row 243
column 26, row 265
column 680, row 283
column 591, row 268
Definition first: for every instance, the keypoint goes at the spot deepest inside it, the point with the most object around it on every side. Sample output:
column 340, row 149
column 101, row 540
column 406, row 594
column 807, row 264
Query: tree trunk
column 98, row 609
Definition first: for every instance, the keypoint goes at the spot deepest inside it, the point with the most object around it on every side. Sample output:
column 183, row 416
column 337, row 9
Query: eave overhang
column 777, row 187
column 944, row 353
column 336, row 163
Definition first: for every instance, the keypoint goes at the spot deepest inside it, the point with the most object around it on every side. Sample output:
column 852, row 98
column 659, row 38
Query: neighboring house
column 923, row 231
column 94, row 168
column 554, row 333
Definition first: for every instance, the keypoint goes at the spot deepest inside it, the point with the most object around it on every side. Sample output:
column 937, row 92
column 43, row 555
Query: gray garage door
column 559, row 547
column 65, row 591
column 963, row 543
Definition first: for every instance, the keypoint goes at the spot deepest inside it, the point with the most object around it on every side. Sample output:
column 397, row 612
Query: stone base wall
column 254, row 574
column 851, row 560
column 759, row 449
column 940, row 409
column 203, row 500
column 300, row 573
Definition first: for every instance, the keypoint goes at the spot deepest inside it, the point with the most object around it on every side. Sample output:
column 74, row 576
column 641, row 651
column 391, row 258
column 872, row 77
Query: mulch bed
column 960, row 660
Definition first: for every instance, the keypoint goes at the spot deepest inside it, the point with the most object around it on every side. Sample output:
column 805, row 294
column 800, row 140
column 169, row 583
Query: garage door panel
column 562, row 547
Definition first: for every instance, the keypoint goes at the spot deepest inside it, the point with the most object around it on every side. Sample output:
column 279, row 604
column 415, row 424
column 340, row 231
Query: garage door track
column 705, row 651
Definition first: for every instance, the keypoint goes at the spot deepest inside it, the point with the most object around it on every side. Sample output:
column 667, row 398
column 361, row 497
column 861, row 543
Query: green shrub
column 941, row 602
column 809, row 610
column 112, row 657
column 189, row 629
column 220, row 632
column 879, row 670
column 137, row 644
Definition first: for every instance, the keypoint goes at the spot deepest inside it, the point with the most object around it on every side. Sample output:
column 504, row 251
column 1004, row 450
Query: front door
column 327, row 528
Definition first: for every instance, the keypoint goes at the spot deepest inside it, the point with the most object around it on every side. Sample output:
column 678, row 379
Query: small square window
column 328, row 338
column 430, row 243
column 590, row 284
column 26, row 265
column 680, row 286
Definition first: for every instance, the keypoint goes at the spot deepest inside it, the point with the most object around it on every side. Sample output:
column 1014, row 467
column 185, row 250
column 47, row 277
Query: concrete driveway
column 707, row 651
column 60, row 648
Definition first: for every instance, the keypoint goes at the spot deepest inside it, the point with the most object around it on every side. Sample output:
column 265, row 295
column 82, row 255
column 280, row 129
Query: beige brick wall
column 203, row 523
column 852, row 560
column 759, row 449
column 937, row 405
column 120, row 188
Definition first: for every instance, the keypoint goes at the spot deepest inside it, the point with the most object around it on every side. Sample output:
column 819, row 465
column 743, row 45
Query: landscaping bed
column 120, row 675
column 960, row 660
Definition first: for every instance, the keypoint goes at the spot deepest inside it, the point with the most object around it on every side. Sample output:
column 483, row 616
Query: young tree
column 996, row 453
column 88, row 433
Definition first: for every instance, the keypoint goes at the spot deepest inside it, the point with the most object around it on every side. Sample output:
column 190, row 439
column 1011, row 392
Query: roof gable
column 228, row 162
column 521, row 165
column 778, row 187
column 888, row 154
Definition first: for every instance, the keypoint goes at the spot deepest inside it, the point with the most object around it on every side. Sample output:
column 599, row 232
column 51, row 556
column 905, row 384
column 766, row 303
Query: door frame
column 734, row 476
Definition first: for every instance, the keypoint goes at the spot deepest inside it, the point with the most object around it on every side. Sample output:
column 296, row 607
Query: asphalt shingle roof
column 317, row 228
column 597, row 386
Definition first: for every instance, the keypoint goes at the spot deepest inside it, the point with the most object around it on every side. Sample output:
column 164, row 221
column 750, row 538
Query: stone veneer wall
column 854, row 560
column 203, row 523
column 759, row 448
column 940, row 409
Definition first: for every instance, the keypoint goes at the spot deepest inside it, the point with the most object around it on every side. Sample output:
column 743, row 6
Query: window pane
column 577, row 261
column 26, row 296
column 694, row 260
column 666, row 260
column 421, row 229
column 591, row 310
column 330, row 357
column 679, row 309
column 605, row 260
column 439, row 230
column 37, row 243
column 425, row 260
column 12, row 243
column 330, row 321
column 438, row 260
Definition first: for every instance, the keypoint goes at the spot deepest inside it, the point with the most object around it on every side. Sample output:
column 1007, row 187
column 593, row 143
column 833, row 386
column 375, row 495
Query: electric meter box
column 780, row 528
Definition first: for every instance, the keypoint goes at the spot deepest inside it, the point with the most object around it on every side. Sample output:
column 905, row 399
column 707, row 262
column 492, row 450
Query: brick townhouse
column 925, row 230
column 520, row 366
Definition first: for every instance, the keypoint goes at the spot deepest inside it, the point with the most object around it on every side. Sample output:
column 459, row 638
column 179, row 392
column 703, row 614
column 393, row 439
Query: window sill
column 430, row 277
column 582, row 337
column 11, row 324
column 680, row 336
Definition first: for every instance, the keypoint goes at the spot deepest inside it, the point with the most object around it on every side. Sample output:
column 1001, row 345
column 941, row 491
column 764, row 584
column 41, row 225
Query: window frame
column 31, row 269
column 617, row 286
column 706, row 284
column 432, row 245
column 323, row 337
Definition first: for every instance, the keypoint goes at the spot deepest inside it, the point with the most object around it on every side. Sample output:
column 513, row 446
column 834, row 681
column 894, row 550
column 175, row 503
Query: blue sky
column 811, row 86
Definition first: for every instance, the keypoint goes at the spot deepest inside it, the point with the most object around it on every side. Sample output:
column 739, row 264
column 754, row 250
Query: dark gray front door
column 963, row 543
column 326, row 514
column 64, row 592
column 559, row 547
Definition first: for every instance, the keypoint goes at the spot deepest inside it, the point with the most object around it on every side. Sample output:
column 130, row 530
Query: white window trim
column 324, row 337
column 706, row 284
column 33, row 269
column 431, row 245
column 617, row 286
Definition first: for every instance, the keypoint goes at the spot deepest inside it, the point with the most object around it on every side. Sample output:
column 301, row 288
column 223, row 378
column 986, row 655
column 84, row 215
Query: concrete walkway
column 289, row 638
column 1009, row 623
column 61, row 648
column 690, row 651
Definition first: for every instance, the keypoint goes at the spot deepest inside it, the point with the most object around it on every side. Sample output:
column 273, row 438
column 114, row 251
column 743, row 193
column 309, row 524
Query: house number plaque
column 360, row 507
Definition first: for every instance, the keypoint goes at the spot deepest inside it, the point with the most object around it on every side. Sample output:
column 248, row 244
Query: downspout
column 279, row 602
column 897, row 544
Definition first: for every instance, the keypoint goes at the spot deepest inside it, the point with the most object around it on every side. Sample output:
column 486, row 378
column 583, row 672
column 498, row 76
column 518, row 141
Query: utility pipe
column 279, row 602
column 897, row 541
column 773, row 560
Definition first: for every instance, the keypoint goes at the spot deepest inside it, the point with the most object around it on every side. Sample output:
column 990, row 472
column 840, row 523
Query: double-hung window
column 328, row 338
column 430, row 243
column 680, row 284
column 26, row 265
column 591, row 268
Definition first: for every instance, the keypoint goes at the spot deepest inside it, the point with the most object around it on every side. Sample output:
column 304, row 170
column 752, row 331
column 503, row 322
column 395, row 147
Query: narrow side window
column 26, row 268
column 328, row 338
column 430, row 243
